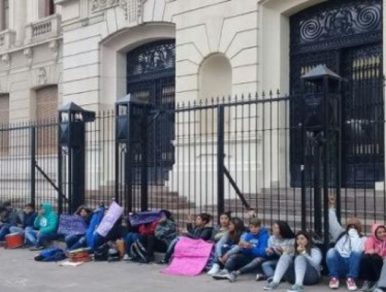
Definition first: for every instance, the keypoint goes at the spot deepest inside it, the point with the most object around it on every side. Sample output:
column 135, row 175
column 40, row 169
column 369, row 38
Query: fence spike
column 270, row 93
column 249, row 96
column 278, row 92
column 263, row 94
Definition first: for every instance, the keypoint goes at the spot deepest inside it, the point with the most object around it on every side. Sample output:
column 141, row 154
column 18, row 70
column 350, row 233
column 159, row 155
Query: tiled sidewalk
column 19, row 272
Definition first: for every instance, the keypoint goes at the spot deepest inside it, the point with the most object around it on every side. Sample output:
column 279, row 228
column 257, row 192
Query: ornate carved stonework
column 133, row 10
column 28, row 54
column 42, row 76
column 54, row 47
column 98, row 5
column 6, row 59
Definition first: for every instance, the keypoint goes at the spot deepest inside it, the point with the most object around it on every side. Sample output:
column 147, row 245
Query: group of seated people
column 276, row 256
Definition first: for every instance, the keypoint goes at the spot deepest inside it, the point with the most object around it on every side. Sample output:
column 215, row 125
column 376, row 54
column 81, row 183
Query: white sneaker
column 214, row 270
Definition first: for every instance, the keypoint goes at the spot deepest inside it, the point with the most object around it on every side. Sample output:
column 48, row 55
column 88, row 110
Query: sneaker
column 214, row 270
column 261, row 277
column 128, row 258
column 271, row 286
column 334, row 283
column 221, row 275
column 232, row 277
column 351, row 285
column 296, row 288
column 36, row 248
column 163, row 262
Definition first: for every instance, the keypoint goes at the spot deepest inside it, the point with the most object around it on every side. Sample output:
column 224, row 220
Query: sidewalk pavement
column 19, row 272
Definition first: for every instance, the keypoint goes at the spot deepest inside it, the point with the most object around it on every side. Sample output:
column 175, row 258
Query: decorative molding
column 99, row 5
column 6, row 59
column 41, row 76
column 54, row 47
column 133, row 10
column 7, row 39
column 44, row 28
column 28, row 54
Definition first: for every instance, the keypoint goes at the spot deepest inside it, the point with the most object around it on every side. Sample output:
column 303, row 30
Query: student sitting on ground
column 165, row 231
column 343, row 261
column 198, row 230
column 280, row 242
column 227, row 245
column 72, row 239
column 27, row 217
column 219, row 231
column 46, row 224
column 139, row 233
column 303, row 268
column 251, row 255
column 9, row 217
column 372, row 260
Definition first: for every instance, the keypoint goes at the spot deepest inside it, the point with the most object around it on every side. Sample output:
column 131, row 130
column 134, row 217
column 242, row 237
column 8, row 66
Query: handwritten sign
column 144, row 217
column 71, row 225
column 113, row 214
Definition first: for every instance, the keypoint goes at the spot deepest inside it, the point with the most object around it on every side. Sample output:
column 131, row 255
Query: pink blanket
column 190, row 257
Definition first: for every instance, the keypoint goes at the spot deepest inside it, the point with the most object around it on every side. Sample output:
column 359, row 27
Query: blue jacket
column 29, row 219
column 259, row 242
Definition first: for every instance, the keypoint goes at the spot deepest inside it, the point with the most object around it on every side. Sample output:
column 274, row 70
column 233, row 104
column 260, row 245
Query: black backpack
column 139, row 253
column 101, row 253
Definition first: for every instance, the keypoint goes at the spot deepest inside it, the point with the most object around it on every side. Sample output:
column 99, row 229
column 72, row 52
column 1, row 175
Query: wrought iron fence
column 204, row 156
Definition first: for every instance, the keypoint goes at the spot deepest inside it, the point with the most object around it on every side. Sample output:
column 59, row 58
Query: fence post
column 72, row 136
column 220, row 160
column 33, row 165
column 303, row 181
column 131, row 131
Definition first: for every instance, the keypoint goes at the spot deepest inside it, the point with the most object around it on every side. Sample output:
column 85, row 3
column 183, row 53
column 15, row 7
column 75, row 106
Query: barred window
column 46, row 113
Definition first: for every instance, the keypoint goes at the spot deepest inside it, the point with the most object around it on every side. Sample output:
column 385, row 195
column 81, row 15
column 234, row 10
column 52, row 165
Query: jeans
column 81, row 242
column 130, row 238
column 15, row 229
column 243, row 263
column 170, row 250
column 71, row 240
column 297, row 270
column 4, row 230
column 340, row 267
column 34, row 237
column 268, row 267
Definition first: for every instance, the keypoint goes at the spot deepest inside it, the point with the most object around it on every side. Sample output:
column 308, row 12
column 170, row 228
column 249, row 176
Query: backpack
column 101, row 253
column 139, row 253
column 52, row 254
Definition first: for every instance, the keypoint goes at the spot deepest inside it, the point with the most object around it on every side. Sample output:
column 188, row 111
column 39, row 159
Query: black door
column 347, row 37
column 151, row 78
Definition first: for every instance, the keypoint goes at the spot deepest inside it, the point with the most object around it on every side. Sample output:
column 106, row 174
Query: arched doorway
column 151, row 78
column 347, row 37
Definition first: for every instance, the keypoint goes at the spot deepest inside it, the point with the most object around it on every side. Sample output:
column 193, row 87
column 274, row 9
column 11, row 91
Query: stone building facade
column 93, row 52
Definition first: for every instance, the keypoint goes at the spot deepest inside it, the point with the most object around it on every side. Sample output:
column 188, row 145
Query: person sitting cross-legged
column 302, row 268
column 45, row 226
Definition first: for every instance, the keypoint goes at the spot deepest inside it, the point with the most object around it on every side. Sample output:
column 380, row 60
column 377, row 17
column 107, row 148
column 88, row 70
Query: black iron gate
column 346, row 36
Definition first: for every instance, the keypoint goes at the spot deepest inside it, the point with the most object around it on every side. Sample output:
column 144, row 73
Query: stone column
column 17, row 18
column 2, row 18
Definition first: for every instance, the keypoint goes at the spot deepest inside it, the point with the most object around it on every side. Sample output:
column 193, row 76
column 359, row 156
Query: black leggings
column 371, row 266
